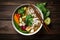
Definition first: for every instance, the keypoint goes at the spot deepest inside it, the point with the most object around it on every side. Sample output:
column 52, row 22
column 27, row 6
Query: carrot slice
column 16, row 18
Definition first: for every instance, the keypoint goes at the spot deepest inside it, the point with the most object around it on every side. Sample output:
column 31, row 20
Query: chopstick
column 42, row 21
column 46, row 27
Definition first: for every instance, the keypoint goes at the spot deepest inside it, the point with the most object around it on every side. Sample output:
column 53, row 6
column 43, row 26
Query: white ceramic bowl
column 24, row 33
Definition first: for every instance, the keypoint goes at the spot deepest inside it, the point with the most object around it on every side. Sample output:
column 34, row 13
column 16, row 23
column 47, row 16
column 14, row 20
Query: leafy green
column 21, row 10
column 47, row 14
column 19, row 28
column 44, row 10
column 29, row 20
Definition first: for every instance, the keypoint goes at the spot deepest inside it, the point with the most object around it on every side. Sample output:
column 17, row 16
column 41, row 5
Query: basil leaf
column 21, row 10
column 29, row 20
column 44, row 10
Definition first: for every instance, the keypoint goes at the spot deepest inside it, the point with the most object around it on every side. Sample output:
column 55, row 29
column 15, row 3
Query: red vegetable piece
column 23, row 27
column 18, row 15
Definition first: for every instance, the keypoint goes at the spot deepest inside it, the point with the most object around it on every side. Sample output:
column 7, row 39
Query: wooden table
column 7, row 31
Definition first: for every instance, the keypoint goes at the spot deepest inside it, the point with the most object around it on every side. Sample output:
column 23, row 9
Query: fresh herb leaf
column 21, row 10
column 44, row 10
column 47, row 14
column 29, row 20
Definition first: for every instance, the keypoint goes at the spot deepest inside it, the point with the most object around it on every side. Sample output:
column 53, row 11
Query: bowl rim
column 24, row 33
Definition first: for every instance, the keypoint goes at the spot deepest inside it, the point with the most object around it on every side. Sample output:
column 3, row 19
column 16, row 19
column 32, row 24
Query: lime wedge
column 47, row 21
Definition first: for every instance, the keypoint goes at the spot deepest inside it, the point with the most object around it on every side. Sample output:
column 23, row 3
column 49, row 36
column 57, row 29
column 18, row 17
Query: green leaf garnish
column 44, row 10
column 21, row 10
column 29, row 20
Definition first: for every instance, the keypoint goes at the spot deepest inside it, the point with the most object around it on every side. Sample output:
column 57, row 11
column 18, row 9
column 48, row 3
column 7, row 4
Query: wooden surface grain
column 8, row 6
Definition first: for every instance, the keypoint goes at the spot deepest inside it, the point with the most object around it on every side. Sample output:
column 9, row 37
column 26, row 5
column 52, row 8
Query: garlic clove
column 32, row 30
column 20, row 24
column 20, row 20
